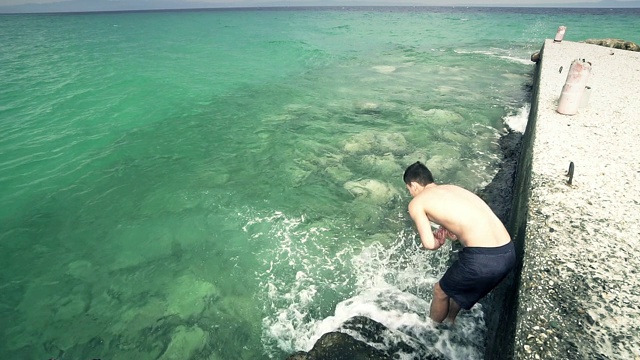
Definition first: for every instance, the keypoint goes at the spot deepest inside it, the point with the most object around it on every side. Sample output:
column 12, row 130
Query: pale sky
column 106, row 5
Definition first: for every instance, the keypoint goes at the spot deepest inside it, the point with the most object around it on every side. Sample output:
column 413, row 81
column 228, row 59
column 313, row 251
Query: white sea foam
column 310, row 291
column 517, row 59
column 517, row 120
column 499, row 53
column 384, row 69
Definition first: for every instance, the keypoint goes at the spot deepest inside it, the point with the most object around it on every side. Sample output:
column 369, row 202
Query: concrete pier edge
column 501, row 304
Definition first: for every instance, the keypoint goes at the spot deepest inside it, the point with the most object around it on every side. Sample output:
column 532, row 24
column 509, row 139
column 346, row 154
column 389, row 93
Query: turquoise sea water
column 227, row 184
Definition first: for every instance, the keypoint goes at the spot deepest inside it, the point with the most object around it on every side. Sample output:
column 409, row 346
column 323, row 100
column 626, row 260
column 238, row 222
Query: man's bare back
column 459, row 211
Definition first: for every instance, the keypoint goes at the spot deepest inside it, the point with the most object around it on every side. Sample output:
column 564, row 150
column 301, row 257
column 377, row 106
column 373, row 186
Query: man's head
column 417, row 176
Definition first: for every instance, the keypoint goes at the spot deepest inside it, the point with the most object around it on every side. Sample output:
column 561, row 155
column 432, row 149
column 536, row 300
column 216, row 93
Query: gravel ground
column 580, row 286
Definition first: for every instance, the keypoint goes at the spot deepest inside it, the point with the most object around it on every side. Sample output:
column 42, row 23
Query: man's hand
column 450, row 235
column 442, row 234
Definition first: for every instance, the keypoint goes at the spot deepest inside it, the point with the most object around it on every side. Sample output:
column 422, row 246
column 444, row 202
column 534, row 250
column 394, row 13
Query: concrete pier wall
column 502, row 304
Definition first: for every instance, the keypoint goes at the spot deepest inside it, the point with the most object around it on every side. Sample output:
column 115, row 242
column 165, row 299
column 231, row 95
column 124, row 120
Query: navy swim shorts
column 476, row 272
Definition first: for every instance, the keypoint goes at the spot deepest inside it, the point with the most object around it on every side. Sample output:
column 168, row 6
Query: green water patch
column 220, row 200
column 143, row 311
column 149, row 254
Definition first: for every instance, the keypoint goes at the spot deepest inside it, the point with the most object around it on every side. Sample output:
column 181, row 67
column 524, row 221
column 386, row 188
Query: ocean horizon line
column 534, row 8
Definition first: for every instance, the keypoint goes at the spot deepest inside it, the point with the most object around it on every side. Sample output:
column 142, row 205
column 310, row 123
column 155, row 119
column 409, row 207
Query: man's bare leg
column 439, row 305
column 454, row 309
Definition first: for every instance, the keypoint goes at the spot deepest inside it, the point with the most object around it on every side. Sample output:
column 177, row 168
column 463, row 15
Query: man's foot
column 445, row 325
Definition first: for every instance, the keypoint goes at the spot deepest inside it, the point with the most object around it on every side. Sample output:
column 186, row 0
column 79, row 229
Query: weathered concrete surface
column 579, row 295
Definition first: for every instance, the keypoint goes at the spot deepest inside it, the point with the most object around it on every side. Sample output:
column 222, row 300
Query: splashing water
column 388, row 280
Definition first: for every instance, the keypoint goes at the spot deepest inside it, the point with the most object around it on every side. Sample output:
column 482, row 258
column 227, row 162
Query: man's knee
column 438, row 293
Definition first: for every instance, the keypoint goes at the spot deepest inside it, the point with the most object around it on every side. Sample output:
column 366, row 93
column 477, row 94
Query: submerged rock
column 366, row 216
column 370, row 190
column 81, row 269
column 443, row 162
column 189, row 296
column 367, row 108
column 435, row 116
column 185, row 343
column 359, row 143
column 394, row 143
column 385, row 165
column 339, row 173
column 376, row 142
column 384, row 69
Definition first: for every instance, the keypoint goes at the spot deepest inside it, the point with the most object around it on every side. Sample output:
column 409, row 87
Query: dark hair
column 419, row 173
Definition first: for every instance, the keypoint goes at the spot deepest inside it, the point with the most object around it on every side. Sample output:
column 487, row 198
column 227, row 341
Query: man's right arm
column 419, row 216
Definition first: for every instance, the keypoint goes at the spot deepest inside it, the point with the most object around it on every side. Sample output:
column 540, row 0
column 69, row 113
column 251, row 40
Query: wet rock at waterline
column 499, row 192
column 361, row 338
column 340, row 346
column 615, row 43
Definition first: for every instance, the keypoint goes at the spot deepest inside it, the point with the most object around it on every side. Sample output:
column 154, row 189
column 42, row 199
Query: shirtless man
column 487, row 256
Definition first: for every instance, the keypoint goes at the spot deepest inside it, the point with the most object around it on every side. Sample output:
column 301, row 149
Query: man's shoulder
column 427, row 196
column 452, row 189
column 441, row 190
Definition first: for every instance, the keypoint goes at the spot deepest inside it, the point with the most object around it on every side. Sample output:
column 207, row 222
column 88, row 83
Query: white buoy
column 574, row 87
column 560, row 34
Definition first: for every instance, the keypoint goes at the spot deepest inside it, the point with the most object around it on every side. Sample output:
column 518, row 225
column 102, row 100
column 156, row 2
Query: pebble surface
column 579, row 295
